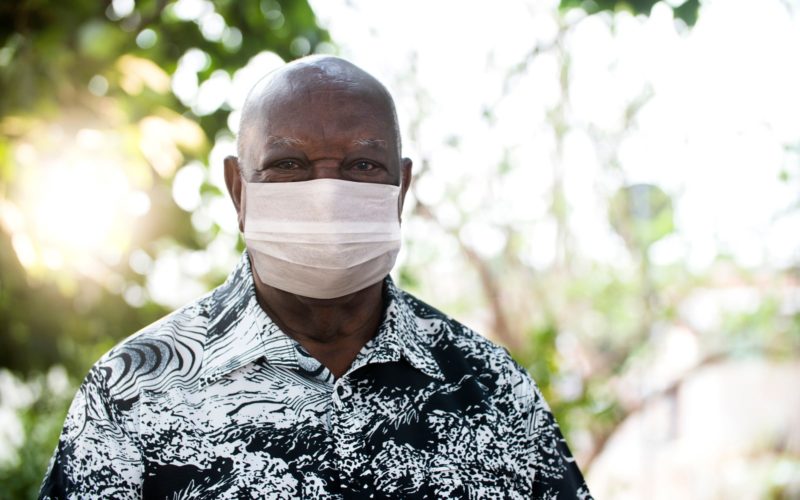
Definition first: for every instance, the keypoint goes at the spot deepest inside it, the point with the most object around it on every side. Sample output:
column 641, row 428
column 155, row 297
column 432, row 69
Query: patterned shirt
column 215, row 401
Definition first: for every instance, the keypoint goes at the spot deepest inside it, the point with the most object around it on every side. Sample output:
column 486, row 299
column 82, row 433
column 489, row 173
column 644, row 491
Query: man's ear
column 233, row 179
column 405, row 182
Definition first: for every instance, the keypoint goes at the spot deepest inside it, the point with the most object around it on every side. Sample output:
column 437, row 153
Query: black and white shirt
column 215, row 401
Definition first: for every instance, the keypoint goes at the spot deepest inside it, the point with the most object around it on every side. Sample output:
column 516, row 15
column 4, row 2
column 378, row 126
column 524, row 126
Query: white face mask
column 324, row 238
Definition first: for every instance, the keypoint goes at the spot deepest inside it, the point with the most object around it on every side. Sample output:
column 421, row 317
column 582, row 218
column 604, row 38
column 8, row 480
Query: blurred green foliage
column 686, row 11
column 40, row 422
column 641, row 214
column 50, row 52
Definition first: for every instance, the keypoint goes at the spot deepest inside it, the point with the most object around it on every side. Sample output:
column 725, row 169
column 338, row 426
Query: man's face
column 329, row 132
column 318, row 132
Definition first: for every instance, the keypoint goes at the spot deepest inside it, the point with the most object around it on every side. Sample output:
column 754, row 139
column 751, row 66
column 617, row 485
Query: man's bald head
column 299, row 81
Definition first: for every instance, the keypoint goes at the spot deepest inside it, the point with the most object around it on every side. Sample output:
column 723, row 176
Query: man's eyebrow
column 277, row 140
column 370, row 143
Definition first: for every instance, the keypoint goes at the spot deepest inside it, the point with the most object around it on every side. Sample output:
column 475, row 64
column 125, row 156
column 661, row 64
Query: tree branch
column 491, row 289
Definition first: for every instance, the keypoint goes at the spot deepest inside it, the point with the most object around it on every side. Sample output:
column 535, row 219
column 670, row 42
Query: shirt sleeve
column 556, row 474
column 95, row 457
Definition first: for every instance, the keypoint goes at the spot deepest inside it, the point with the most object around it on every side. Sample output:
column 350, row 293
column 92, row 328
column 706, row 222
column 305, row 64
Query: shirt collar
column 239, row 331
column 400, row 336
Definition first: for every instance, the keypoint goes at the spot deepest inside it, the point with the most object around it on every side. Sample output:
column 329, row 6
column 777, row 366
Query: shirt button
column 343, row 392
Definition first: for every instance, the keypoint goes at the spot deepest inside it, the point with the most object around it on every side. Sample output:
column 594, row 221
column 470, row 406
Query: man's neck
column 333, row 331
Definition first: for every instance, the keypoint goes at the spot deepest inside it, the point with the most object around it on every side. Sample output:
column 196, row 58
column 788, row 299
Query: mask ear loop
column 400, row 199
column 399, row 207
column 243, row 201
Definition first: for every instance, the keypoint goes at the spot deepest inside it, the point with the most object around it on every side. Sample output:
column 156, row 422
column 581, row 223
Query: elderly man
column 308, row 373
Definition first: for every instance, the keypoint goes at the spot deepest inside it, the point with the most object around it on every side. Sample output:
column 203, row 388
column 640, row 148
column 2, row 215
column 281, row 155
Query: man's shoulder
column 166, row 353
column 459, row 350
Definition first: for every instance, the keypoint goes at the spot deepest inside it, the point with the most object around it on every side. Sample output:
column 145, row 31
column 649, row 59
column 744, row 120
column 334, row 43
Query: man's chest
column 271, row 432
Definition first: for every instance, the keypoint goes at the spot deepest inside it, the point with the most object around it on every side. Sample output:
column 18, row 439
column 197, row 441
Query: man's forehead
column 281, row 141
column 349, row 116
column 313, row 98
column 288, row 141
column 371, row 143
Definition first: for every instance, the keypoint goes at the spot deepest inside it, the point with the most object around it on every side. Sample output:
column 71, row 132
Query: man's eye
column 363, row 166
column 287, row 165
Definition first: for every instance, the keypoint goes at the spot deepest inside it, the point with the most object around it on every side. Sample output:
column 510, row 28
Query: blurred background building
column 610, row 189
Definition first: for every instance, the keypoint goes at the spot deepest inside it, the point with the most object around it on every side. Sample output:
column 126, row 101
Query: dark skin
column 320, row 118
